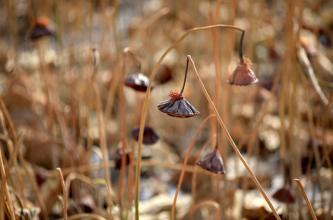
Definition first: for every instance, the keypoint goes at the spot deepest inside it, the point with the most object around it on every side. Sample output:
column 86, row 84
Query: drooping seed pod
column 243, row 75
column 137, row 81
column 41, row 29
column 212, row 162
column 178, row 106
column 284, row 195
column 149, row 135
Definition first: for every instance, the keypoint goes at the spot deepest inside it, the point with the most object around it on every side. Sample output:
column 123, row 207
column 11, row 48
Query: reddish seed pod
column 284, row 195
column 243, row 75
column 137, row 81
column 178, row 106
column 41, row 29
column 149, row 135
column 212, row 162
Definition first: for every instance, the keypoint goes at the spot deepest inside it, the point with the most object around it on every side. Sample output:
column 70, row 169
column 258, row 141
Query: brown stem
column 182, row 172
column 103, row 144
column 185, row 77
column 308, row 203
column 4, row 188
column 234, row 146
column 64, row 194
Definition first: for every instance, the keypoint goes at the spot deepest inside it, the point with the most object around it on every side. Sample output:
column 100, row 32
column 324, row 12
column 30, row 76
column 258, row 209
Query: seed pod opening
column 178, row 106
column 243, row 75
column 137, row 81
column 41, row 29
column 212, row 162
column 149, row 135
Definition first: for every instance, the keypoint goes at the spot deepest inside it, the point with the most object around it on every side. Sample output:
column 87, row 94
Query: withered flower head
column 284, row 195
column 120, row 153
column 137, row 81
column 243, row 75
column 164, row 74
column 41, row 29
column 212, row 162
column 177, row 106
column 149, row 135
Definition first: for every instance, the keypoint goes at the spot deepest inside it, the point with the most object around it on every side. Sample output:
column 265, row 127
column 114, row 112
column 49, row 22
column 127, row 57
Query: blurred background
column 71, row 97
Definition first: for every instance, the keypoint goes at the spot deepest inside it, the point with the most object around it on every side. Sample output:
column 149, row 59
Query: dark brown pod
column 120, row 153
column 137, row 81
column 149, row 135
column 284, row 195
column 243, row 75
column 177, row 106
column 41, row 29
column 212, row 162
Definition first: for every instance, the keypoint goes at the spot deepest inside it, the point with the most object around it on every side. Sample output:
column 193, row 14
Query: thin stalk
column 102, row 137
column 185, row 77
column 146, row 102
column 104, row 148
column 194, row 176
column 4, row 188
column 308, row 203
column 187, row 155
column 234, row 146
column 64, row 194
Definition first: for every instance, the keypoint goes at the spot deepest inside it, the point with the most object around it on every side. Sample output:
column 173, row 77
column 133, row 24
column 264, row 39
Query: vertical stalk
column 308, row 203
column 187, row 155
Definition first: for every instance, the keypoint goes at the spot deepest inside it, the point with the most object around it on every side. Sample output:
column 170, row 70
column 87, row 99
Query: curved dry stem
column 238, row 153
column 105, row 153
column 73, row 176
column 4, row 188
column 308, row 203
column 64, row 196
column 194, row 176
column 134, row 56
column 188, row 153
column 147, row 96
column 208, row 203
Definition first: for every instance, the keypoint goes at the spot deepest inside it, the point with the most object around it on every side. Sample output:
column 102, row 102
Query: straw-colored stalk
column 308, row 203
column 64, row 194
column 187, row 155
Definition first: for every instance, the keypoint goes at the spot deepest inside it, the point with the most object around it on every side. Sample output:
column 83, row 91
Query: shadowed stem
column 188, row 153
column 147, row 96
column 234, row 146
column 186, row 69
column 64, row 194
column 308, row 203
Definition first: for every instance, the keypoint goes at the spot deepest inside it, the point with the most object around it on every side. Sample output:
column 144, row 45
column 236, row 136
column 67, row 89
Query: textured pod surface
column 149, row 135
column 212, row 162
column 243, row 75
column 178, row 107
column 137, row 81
